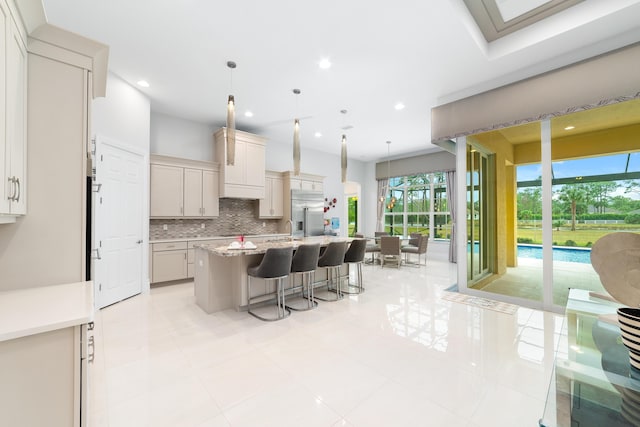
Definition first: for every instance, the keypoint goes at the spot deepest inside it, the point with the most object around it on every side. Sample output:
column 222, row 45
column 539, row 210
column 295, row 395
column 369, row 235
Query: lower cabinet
column 175, row 260
column 44, row 379
column 169, row 261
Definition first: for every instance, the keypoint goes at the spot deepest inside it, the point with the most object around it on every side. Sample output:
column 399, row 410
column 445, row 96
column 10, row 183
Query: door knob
column 139, row 241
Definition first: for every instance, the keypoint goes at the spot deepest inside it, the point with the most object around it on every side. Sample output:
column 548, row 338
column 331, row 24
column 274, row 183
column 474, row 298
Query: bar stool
column 305, row 261
column 275, row 265
column 332, row 259
column 355, row 256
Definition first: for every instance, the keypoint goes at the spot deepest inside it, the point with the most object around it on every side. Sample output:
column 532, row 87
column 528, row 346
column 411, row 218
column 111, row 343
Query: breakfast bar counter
column 220, row 277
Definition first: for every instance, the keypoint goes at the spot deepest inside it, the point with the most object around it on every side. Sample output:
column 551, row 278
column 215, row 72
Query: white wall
column 124, row 116
column 369, row 199
column 186, row 139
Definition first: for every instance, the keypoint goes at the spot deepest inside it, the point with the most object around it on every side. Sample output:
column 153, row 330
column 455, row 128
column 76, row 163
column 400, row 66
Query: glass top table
column 593, row 383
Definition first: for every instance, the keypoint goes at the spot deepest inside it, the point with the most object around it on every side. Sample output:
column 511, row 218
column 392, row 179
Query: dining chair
column 420, row 249
column 390, row 250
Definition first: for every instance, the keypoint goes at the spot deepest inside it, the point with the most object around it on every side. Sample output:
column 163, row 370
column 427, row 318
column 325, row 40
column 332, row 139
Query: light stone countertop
column 194, row 239
column 31, row 311
column 261, row 247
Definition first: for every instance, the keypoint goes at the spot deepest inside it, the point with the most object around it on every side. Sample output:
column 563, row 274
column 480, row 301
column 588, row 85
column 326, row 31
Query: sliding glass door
column 479, row 228
column 538, row 195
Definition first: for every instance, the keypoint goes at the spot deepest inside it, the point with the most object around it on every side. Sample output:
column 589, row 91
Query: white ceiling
column 420, row 53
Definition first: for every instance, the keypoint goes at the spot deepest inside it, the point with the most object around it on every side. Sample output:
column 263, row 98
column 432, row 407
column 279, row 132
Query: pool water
column 581, row 255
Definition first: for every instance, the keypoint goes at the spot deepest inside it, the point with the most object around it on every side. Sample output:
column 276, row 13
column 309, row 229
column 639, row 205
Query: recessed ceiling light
column 569, row 128
column 248, row 114
column 324, row 64
column 143, row 83
column 317, row 134
column 399, row 106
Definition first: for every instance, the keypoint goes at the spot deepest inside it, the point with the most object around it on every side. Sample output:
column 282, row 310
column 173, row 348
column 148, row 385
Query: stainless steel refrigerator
column 307, row 213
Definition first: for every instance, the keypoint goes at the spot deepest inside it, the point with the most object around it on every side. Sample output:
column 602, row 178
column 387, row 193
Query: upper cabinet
column 13, row 106
column 272, row 206
column 244, row 179
column 200, row 192
column 304, row 181
column 183, row 188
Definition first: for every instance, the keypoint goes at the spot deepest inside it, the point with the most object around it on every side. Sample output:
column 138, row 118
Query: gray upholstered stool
column 305, row 261
column 355, row 256
column 275, row 265
column 332, row 259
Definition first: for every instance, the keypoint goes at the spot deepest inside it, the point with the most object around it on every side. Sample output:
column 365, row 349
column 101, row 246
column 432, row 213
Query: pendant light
column 231, row 121
column 296, row 139
column 343, row 156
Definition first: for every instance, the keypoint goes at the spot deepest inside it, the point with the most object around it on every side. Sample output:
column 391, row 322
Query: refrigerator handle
column 306, row 221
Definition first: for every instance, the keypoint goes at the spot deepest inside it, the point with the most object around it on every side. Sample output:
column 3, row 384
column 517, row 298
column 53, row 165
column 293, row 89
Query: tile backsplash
column 237, row 216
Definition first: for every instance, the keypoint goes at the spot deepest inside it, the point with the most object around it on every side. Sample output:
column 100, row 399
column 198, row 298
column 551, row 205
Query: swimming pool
column 581, row 255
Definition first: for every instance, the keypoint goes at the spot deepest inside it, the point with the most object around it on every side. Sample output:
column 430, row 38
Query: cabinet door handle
column 181, row 209
column 203, row 211
column 12, row 195
column 17, row 199
column 92, row 349
column 97, row 251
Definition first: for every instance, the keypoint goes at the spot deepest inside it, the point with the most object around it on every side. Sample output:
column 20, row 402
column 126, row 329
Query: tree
column 632, row 186
column 530, row 199
column 623, row 204
column 597, row 194
column 572, row 194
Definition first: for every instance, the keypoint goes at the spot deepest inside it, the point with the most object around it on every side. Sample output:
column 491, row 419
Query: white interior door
column 118, row 208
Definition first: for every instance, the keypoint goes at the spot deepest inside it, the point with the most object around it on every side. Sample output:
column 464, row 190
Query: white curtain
column 451, row 203
column 382, row 191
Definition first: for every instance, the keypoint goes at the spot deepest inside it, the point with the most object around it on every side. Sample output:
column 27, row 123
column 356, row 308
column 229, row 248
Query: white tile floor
column 397, row 355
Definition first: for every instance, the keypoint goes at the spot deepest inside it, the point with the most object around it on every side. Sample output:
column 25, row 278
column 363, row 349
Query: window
column 418, row 204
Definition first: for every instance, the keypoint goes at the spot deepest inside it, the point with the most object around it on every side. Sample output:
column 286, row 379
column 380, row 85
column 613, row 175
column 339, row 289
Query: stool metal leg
column 310, row 300
column 281, row 310
column 358, row 286
column 333, row 277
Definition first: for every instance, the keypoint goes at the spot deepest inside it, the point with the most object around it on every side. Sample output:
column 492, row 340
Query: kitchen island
column 220, row 278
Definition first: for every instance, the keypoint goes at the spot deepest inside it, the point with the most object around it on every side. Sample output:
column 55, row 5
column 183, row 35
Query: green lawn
column 584, row 235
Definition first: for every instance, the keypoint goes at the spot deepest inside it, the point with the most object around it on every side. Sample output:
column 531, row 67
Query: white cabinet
column 169, row 261
column 246, row 177
column 308, row 183
column 45, row 349
column 183, row 188
column 13, row 101
column 200, row 193
column 175, row 260
column 192, row 192
column 167, row 185
column 272, row 206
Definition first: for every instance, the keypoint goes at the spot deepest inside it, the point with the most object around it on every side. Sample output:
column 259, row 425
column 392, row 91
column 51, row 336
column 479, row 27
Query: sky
column 584, row 167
